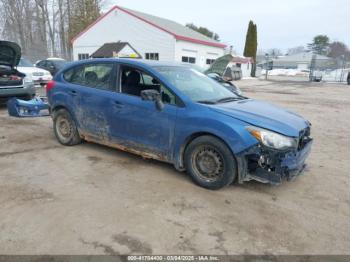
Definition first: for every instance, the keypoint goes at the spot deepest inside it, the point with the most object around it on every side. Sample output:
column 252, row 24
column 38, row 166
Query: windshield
column 59, row 63
column 195, row 85
column 24, row 63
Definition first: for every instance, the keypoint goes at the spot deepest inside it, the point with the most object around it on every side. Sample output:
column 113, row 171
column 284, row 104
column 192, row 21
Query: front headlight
column 272, row 139
column 47, row 73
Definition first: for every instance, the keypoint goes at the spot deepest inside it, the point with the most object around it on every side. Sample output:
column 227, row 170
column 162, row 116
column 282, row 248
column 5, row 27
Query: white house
column 153, row 37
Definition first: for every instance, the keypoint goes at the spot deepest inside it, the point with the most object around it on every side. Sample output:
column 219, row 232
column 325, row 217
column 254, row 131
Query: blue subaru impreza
column 176, row 114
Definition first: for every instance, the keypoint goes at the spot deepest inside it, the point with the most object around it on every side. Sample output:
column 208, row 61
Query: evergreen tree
column 319, row 45
column 251, row 44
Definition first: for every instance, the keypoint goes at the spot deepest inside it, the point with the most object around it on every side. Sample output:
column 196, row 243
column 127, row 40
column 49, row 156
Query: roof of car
column 132, row 61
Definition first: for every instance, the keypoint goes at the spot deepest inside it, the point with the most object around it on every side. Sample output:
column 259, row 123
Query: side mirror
column 153, row 95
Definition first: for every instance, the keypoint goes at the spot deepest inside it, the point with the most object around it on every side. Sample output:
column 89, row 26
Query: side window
column 91, row 75
column 49, row 64
column 133, row 81
column 42, row 64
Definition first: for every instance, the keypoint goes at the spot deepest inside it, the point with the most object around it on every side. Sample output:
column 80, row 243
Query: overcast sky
column 281, row 23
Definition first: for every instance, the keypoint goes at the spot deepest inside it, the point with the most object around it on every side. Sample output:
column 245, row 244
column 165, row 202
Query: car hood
column 10, row 53
column 30, row 70
column 264, row 115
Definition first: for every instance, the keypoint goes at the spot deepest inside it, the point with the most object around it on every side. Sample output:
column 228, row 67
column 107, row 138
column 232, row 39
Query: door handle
column 73, row 92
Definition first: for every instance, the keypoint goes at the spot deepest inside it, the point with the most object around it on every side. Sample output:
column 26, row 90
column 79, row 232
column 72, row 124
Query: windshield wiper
column 228, row 99
column 208, row 102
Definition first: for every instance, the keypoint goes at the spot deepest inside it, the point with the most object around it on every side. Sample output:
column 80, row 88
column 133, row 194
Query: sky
column 281, row 23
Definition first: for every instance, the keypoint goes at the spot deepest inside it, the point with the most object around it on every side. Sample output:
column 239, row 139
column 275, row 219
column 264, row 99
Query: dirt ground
column 90, row 199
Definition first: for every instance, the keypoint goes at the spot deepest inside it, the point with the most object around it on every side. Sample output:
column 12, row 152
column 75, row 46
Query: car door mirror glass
column 150, row 95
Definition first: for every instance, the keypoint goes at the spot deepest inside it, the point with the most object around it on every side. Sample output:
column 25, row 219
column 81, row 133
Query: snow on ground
column 327, row 75
column 286, row 72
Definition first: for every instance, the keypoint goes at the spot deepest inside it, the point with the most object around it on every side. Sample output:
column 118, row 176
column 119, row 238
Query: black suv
column 53, row 65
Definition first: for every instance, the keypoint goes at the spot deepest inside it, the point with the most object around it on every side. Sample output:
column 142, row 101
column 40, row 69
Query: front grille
column 304, row 137
column 38, row 74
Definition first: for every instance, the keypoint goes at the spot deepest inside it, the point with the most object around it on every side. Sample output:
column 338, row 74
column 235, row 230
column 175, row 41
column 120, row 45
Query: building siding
column 200, row 52
column 119, row 26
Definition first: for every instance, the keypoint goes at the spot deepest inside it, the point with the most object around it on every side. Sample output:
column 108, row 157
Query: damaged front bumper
column 36, row 107
column 272, row 166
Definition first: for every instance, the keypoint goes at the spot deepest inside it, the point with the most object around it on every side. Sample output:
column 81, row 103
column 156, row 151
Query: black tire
column 210, row 163
column 65, row 128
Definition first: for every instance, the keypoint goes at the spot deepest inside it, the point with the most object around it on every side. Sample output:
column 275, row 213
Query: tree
column 46, row 27
column 251, row 44
column 296, row 50
column 204, row 31
column 338, row 49
column 319, row 45
column 274, row 52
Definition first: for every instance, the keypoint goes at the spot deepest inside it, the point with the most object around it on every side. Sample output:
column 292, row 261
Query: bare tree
column 296, row 50
column 46, row 27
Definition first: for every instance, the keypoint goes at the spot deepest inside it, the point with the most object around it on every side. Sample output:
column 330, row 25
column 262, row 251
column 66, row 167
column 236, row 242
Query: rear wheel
column 210, row 162
column 65, row 128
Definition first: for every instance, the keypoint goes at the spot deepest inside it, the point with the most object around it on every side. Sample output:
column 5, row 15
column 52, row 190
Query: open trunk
column 10, row 77
column 10, row 54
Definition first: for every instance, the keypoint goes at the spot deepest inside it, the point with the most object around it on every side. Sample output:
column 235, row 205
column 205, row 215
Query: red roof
column 198, row 38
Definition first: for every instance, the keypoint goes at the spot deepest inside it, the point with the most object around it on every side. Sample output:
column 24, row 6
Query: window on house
column 210, row 61
column 152, row 56
column 188, row 59
column 83, row 56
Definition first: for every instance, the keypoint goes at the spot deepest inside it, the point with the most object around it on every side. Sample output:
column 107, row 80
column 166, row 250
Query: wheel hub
column 209, row 163
column 64, row 127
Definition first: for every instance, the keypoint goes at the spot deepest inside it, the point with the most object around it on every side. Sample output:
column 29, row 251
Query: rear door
column 93, row 87
column 137, row 123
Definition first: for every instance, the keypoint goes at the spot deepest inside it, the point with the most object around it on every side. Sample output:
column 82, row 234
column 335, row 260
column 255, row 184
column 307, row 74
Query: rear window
column 91, row 75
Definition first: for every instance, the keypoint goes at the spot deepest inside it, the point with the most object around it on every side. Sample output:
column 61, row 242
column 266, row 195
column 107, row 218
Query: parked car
column 178, row 115
column 228, row 84
column 39, row 76
column 12, row 82
column 348, row 78
column 317, row 76
column 53, row 65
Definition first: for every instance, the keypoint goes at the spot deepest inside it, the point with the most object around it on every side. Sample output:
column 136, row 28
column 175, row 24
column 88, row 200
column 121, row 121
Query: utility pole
column 342, row 74
column 312, row 67
column 266, row 64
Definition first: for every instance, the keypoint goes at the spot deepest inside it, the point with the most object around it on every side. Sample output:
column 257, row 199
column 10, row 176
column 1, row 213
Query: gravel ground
column 90, row 199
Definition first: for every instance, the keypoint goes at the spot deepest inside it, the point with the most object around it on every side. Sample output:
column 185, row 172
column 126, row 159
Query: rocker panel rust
column 129, row 147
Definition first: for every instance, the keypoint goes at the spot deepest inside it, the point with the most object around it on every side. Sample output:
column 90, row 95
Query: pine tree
column 251, row 44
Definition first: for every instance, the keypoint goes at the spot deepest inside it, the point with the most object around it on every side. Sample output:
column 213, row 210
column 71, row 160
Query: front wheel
column 65, row 128
column 210, row 163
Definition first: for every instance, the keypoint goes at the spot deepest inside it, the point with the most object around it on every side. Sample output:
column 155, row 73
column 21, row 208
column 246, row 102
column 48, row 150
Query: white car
column 39, row 76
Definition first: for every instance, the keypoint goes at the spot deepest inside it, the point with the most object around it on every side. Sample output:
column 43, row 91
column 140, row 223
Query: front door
column 137, row 123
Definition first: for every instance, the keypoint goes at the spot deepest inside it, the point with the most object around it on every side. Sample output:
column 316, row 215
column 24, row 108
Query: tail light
column 50, row 85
